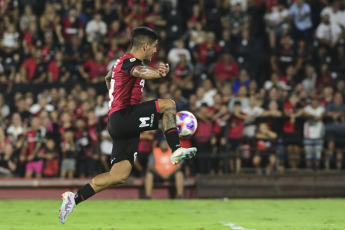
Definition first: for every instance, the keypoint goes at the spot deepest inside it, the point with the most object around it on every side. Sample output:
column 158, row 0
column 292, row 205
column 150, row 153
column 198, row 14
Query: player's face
column 152, row 49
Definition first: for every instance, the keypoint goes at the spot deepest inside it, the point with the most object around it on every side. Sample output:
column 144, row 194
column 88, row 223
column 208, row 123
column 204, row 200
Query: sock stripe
column 172, row 130
column 157, row 107
column 82, row 197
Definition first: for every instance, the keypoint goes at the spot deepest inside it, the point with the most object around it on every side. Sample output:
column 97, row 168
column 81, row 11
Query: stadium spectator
column 16, row 128
column 161, row 169
column 50, row 154
column 240, row 96
column 236, row 20
column 71, row 26
column 32, row 145
column 276, row 23
column 49, row 20
column 146, row 144
column 182, row 74
column 57, row 70
column 336, row 15
column 300, row 13
column 253, row 111
column 335, row 127
column 206, row 54
column 27, row 18
column 328, row 33
column 235, row 134
column 106, row 145
column 196, row 35
column 265, row 148
column 95, row 69
column 174, row 54
column 226, row 69
column 313, row 132
column 284, row 55
column 69, row 151
column 309, row 83
column 34, row 69
column 86, row 146
column 292, row 110
column 95, row 30
column 156, row 19
column 8, row 160
column 4, row 109
column 202, row 137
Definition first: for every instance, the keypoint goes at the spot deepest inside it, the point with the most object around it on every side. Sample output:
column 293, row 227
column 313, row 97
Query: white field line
column 233, row 226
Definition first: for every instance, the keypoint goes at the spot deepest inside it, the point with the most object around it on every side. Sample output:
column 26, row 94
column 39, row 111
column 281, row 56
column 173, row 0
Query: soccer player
column 128, row 117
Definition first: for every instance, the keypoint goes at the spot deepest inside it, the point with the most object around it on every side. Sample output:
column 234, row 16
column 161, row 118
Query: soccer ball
column 186, row 123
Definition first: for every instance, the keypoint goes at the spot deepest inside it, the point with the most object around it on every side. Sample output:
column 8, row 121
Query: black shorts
column 125, row 125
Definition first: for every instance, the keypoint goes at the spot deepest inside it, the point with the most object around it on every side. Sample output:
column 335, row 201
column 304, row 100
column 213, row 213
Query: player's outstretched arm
column 146, row 72
column 108, row 79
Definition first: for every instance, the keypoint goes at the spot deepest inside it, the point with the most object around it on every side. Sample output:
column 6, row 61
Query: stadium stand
column 285, row 68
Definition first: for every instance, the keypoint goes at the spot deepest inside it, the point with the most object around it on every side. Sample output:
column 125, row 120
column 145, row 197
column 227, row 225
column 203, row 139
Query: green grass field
column 296, row 214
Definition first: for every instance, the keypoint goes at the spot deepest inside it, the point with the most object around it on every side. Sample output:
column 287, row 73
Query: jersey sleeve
column 129, row 64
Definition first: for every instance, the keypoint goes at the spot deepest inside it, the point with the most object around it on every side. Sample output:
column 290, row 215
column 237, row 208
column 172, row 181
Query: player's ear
column 146, row 46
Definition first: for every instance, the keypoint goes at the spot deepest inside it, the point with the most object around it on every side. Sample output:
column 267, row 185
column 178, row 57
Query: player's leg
column 117, row 175
column 167, row 108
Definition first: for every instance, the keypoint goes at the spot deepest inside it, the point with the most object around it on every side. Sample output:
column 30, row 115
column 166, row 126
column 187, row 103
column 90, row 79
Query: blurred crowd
column 265, row 78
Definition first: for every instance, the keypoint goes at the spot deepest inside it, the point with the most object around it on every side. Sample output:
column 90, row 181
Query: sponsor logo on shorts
column 152, row 118
column 143, row 121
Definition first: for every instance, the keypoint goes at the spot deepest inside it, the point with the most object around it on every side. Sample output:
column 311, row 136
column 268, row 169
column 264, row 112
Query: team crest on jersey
column 132, row 59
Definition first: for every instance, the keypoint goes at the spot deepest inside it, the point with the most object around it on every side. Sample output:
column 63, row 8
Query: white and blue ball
column 186, row 123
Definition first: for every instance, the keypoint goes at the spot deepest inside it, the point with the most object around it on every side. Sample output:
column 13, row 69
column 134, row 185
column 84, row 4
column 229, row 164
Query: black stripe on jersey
column 129, row 64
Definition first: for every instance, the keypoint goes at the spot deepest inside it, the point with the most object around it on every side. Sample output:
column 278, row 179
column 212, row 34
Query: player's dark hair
column 142, row 35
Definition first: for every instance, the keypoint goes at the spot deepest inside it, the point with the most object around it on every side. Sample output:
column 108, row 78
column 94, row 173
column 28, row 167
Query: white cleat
column 181, row 154
column 67, row 206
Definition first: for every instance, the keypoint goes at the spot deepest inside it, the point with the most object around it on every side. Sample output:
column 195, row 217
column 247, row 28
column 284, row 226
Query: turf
column 296, row 214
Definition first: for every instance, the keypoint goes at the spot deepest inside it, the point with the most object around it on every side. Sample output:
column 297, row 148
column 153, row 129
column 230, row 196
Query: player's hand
column 163, row 69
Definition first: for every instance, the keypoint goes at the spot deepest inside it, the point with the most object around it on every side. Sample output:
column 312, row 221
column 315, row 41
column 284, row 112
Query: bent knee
column 166, row 103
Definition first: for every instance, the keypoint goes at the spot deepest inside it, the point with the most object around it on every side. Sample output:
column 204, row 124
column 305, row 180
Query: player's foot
column 182, row 153
column 67, row 206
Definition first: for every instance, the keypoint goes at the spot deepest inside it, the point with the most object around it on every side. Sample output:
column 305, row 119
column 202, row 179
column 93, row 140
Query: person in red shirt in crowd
column 50, row 155
column 206, row 54
column 122, row 36
column 146, row 144
column 182, row 74
column 30, row 38
column 155, row 19
column 33, row 69
column 197, row 16
column 31, row 149
column 135, row 13
column 235, row 134
column 57, row 71
column 71, row 25
column 94, row 70
column 324, row 78
column 265, row 148
column 226, row 69
column 292, row 139
column 114, row 50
